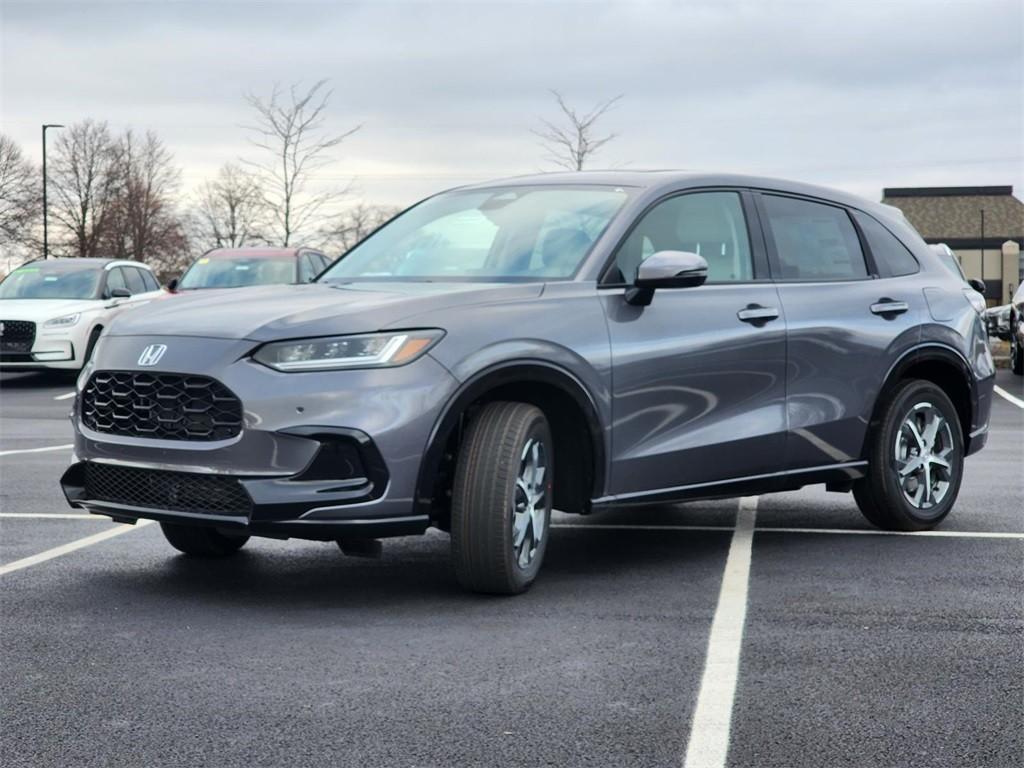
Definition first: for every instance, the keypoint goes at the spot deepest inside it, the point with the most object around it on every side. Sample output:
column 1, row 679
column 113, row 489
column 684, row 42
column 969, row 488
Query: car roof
column 98, row 262
column 254, row 253
column 669, row 180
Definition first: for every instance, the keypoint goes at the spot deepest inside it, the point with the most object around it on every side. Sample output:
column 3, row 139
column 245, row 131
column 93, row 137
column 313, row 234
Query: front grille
column 168, row 406
column 173, row 491
column 17, row 336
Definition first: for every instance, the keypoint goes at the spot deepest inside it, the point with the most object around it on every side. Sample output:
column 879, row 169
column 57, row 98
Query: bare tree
column 20, row 203
column 571, row 141
column 290, row 129
column 348, row 229
column 228, row 210
column 142, row 222
column 84, row 182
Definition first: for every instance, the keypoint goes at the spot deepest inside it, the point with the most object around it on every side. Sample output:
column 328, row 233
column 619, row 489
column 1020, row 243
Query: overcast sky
column 856, row 94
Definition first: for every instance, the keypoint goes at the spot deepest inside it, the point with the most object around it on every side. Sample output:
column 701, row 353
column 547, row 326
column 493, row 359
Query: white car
column 53, row 311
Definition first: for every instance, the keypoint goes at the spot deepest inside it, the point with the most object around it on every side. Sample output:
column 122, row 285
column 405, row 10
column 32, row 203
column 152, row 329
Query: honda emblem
column 151, row 355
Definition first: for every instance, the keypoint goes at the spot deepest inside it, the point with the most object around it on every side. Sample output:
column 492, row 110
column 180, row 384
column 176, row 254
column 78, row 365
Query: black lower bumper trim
column 261, row 506
column 315, row 530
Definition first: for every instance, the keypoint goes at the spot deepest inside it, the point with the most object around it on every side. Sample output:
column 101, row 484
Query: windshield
column 53, row 280
column 510, row 233
column 238, row 272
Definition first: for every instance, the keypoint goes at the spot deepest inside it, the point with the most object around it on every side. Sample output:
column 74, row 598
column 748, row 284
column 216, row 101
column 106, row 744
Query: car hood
column 41, row 310
column 318, row 309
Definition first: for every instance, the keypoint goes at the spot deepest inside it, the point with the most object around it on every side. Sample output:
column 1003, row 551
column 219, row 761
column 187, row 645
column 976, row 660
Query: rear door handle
column 757, row 314
column 889, row 307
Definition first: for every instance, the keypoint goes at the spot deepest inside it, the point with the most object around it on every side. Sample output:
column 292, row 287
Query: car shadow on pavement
column 416, row 573
column 37, row 379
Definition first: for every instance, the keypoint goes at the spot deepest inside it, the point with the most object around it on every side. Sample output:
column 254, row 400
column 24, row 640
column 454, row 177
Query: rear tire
column 200, row 541
column 915, row 460
column 501, row 499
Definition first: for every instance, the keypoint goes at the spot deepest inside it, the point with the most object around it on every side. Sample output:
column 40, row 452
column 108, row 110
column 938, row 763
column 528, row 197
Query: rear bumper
column 982, row 411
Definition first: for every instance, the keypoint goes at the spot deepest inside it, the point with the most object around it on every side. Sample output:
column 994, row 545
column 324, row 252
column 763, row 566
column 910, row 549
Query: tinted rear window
column 150, row 281
column 813, row 241
column 892, row 257
column 134, row 280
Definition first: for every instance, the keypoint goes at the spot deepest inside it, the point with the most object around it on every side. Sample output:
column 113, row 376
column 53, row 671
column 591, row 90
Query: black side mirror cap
column 978, row 285
column 173, row 285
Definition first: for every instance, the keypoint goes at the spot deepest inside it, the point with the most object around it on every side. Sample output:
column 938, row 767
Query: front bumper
column 321, row 455
column 50, row 349
column 345, row 474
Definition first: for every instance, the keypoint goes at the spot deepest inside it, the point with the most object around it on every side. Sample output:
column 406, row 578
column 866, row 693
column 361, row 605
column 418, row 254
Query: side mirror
column 173, row 285
column 666, row 269
column 120, row 293
column 978, row 285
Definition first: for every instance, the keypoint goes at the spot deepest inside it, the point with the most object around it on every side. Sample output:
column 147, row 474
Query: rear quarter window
column 892, row 257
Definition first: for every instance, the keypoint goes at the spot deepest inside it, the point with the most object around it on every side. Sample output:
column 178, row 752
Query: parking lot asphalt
column 858, row 648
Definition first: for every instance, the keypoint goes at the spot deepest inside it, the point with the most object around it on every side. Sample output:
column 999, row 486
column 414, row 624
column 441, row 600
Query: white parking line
column 64, row 549
column 712, row 718
column 831, row 531
column 1007, row 396
column 915, row 534
column 38, row 450
column 642, row 527
column 67, row 396
column 54, row 516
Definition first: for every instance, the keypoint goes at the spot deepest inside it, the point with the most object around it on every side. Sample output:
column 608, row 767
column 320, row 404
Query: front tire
column 201, row 541
column 915, row 460
column 501, row 499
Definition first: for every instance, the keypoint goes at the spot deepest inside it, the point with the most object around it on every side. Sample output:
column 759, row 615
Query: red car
column 241, row 267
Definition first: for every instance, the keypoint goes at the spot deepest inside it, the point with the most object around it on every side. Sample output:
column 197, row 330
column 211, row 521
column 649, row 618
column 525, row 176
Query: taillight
column 975, row 299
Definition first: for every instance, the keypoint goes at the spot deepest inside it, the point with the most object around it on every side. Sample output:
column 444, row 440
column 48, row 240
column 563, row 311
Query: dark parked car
column 997, row 321
column 1017, row 331
column 242, row 267
column 570, row 341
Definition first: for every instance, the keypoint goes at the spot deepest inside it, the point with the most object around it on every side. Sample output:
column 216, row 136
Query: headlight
column 62, row 322
column 371, row 350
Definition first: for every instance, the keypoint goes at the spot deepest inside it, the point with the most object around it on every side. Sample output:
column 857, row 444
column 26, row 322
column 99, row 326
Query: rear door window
column 813, row 241
column 149, row 280
column 308, row 268
column 134, row 280
column 892, row 257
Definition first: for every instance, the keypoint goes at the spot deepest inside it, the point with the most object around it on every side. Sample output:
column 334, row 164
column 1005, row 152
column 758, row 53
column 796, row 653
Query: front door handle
column 889, row 307
column 755, row 313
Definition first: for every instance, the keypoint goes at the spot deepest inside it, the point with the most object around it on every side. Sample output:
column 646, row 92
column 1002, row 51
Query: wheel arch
column 566, row 402
column 94, row 333
column 943, row 366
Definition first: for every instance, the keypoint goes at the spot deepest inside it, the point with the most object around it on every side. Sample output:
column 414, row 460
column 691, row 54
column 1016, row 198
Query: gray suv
column 569, row 341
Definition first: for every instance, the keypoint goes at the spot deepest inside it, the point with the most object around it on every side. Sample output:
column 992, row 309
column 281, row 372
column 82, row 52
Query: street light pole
column 46, row 240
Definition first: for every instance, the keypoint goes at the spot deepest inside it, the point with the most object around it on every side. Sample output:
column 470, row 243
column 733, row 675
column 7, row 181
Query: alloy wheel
column 925, row 456
column 530, row 502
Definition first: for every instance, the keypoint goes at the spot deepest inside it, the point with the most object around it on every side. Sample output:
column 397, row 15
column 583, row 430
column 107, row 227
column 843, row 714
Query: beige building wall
column 997, row 266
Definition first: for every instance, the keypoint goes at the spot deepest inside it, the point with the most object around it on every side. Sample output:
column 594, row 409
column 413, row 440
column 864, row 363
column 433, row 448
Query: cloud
column 854, row 94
